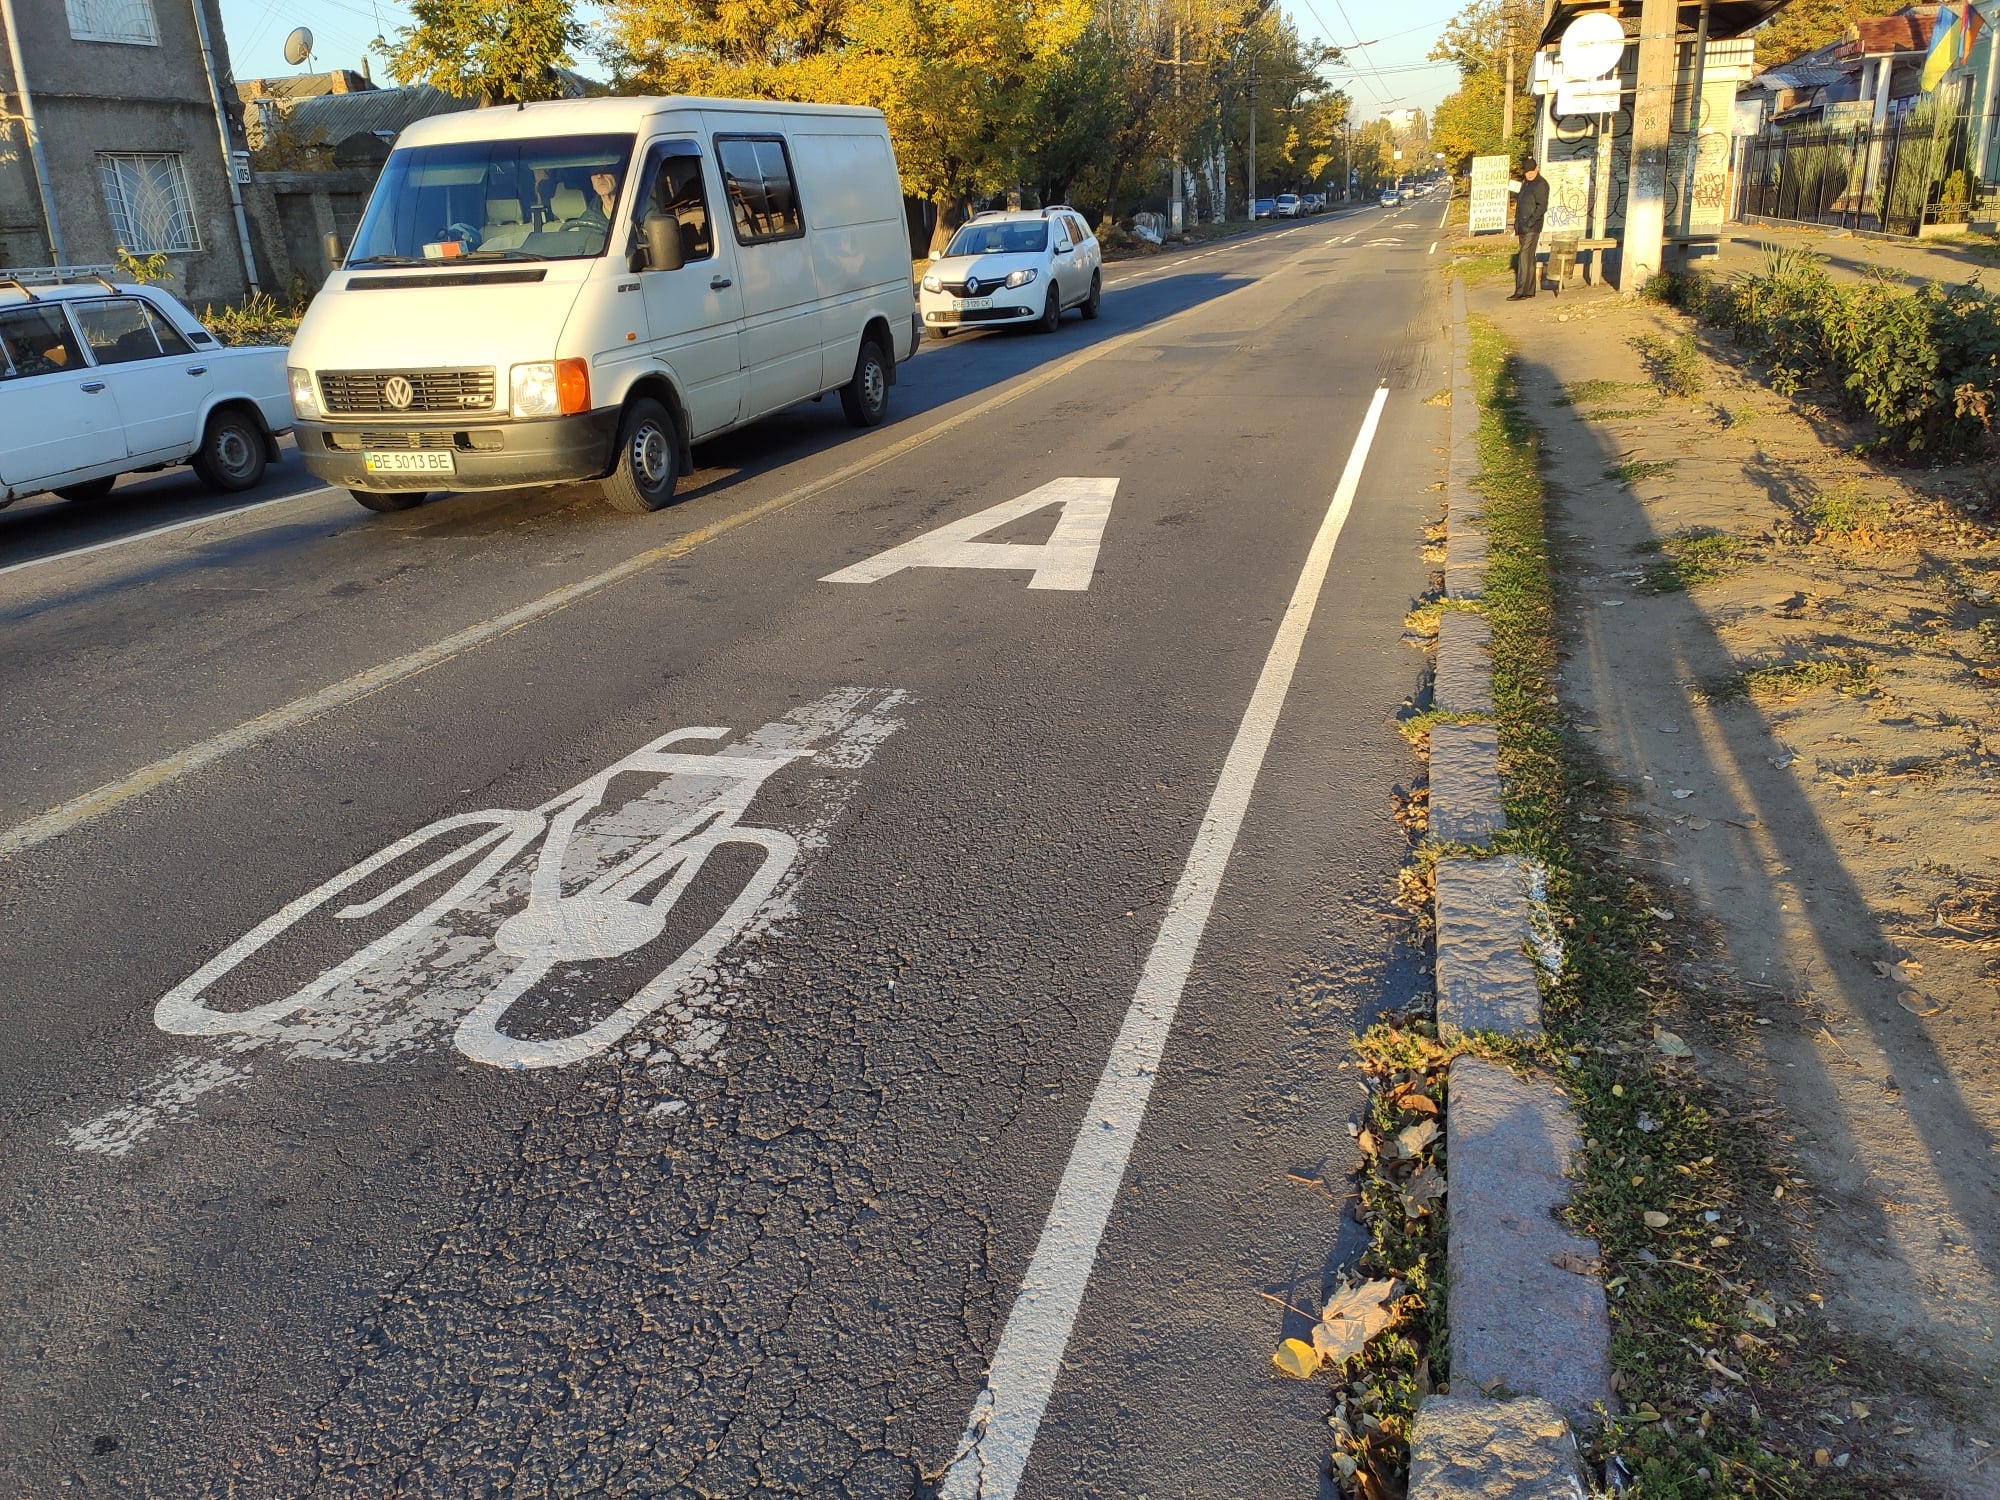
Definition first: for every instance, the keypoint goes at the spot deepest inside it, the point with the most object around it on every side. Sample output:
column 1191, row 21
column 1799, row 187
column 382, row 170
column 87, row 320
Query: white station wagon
column 99, row 379
column 1024, row 266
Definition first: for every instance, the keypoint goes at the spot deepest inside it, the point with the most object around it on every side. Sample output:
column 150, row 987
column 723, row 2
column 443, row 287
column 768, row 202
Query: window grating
column 148, row 197
column 129, row 21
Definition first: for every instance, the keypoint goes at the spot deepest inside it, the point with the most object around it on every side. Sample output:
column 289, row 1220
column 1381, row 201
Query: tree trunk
column 951, row 212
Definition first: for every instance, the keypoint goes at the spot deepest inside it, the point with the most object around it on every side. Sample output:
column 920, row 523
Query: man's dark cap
column 1530, row 165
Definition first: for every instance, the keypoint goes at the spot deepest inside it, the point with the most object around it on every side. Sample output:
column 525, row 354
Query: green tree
column 1478, row 40
column 495, row 51
column 1803, row 25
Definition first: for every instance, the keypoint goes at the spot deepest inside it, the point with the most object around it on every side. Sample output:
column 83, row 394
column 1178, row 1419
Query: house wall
column 93, row 96
column 291, row 213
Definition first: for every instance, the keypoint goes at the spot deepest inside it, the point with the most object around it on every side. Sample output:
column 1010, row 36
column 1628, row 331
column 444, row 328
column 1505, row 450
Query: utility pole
column 1507, row 108
column 1177, row 214
column 33, row 131
column 1250, row 186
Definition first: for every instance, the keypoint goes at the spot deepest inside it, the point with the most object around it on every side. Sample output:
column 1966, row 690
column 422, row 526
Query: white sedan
column 98, row 380
column 1027, row 266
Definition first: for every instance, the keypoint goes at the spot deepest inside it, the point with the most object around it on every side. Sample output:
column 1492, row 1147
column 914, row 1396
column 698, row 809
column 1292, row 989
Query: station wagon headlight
column 553, row 388
column 1021, row 278
column 305, row 400
column 933, row 282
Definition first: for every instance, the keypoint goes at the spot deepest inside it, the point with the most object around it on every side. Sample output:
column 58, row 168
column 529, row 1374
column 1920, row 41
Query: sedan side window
column 117, row 331
column 36, row 341
column 172, row 340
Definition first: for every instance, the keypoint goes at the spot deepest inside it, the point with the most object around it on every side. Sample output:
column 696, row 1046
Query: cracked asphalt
column 765, row 1242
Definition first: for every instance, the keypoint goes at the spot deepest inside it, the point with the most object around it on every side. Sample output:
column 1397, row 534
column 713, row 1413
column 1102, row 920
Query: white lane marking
column 88, row 805
column 1433, row 249
column 149, row 534
column 1000, row 1434
column 447, row 930
column 1064, row 561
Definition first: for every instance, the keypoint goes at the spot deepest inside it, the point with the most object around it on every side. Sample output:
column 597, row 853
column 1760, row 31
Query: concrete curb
column 1527, row 1311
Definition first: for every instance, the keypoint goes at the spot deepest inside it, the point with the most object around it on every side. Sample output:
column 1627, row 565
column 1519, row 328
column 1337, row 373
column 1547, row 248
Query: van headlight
column 305, row 400
column 553, row 388
column 1021, row 278
column 933, row 282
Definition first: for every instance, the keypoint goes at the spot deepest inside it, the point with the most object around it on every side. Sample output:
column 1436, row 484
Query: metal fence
column 1915, row 171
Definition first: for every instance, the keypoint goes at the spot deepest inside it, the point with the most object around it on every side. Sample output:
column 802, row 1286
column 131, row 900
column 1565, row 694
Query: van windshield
column 552, row 198
column 1008, row 237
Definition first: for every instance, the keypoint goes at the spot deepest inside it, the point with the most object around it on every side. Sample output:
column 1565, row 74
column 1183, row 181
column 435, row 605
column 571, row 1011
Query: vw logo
column 972, row 286
column 396, row 392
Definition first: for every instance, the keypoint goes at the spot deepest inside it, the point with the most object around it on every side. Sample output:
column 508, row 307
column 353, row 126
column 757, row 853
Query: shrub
column 262, row 319
column 1674, row 365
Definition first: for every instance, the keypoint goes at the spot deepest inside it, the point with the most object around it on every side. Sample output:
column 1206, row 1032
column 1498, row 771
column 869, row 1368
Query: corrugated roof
column 337, row 117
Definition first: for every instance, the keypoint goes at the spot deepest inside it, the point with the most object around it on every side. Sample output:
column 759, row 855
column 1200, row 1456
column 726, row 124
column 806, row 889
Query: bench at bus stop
column 1564, row 252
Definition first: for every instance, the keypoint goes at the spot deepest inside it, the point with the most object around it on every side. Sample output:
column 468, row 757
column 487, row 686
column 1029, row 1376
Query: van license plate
column 970, row 304
column 436, row 461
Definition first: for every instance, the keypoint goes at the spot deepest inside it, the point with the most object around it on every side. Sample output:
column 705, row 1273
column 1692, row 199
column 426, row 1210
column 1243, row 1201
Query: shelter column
column 1652, row 135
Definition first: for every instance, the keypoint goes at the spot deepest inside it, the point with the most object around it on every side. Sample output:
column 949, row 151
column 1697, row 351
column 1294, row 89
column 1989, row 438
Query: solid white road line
column 140, row 536
column 1433, row 249
column 1000, row 1434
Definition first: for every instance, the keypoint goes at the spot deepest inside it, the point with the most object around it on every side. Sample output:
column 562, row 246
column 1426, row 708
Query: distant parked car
column 1266, row 207
column 1315, row 203
column 1028, row 266
column 1390, row 197
column 1288, row 205
column 98, row 380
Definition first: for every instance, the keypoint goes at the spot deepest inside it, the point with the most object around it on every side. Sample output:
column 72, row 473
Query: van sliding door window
column 763, row 196
column 673, row 186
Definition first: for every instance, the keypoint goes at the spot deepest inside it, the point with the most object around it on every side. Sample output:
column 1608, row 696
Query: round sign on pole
column 1591, row 46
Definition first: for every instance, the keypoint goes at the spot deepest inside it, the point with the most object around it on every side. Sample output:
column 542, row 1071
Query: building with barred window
column 109, row 140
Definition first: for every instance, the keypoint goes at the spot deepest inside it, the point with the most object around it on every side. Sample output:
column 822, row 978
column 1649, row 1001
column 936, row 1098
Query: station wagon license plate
column 433, row 462
column 970, row 304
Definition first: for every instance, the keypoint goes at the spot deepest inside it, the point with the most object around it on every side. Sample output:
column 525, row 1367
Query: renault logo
column 396, row 392
column 972, row 286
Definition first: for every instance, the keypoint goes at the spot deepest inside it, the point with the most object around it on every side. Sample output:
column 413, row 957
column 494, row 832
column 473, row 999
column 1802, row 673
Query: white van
column 581, row 289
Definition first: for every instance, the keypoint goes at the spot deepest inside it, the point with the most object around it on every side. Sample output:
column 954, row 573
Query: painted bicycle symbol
column 602, row 912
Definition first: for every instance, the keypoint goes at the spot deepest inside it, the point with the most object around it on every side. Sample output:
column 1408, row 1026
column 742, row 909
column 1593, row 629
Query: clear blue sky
column 1392, row 74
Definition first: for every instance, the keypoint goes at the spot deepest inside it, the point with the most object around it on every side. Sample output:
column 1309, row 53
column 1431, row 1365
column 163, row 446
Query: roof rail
column 27, row 276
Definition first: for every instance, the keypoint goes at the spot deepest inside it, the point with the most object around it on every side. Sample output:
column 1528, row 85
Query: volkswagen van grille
column 364, row 392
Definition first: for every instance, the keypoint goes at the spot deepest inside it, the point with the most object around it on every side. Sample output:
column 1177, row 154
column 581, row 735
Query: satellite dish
column 1591, row 46
column 299, row 45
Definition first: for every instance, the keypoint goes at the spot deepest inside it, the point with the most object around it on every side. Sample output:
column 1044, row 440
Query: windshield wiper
column 502, row 255
column 381, row 260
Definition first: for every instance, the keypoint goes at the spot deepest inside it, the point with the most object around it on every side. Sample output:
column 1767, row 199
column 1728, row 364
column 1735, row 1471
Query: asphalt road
column 691, row 1125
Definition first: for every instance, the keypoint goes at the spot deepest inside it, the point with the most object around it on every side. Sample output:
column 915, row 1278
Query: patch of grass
column 1847, row 513
column 1417, row 727
column 1847, row 674
column 1618, row 413
column 1592, row 392
column 1633, row 470
column 1481, row 266
column 1656, row 1137
column 1688, row 559
column 1424, row 618
column 1675, row 364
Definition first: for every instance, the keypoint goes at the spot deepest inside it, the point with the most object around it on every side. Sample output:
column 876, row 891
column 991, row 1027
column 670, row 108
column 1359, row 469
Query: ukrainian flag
column 1948, row 46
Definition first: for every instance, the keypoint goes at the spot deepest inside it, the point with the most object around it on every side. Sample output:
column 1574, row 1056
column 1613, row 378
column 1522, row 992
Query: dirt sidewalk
column 1790, row 660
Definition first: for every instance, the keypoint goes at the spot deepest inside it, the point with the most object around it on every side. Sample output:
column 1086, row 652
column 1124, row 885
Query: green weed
column 1688, row 559
column 1592, row 392
column 1847, row 512
column 1675, row 364
column 1843, row 673
column 1633, row 470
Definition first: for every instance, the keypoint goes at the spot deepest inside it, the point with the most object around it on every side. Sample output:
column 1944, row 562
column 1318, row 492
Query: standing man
column 1530, row 206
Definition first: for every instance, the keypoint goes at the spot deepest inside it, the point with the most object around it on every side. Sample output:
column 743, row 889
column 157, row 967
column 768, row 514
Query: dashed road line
column 1007, row 1414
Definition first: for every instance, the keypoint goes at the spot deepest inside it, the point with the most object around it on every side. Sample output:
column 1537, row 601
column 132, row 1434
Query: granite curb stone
column 1485, row 978
column 1465, row 805
column 1474, row 1449
column 1464, row 677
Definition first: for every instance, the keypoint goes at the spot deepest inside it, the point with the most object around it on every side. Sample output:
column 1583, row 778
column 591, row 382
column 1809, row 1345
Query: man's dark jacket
column 1531, row 204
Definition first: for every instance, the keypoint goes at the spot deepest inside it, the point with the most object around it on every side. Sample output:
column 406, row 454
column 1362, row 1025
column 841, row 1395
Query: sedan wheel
column 231, row 456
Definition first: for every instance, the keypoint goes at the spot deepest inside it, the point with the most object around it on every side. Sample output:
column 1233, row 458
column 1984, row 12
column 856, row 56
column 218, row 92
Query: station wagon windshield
column 551, row 198
column 1016, row 237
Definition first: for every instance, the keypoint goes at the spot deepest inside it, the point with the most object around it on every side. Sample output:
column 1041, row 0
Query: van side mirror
column 663, row 242
column 329, row 246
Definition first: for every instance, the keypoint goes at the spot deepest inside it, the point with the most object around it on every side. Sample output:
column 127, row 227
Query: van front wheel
column 865, row 398
column 648, row 466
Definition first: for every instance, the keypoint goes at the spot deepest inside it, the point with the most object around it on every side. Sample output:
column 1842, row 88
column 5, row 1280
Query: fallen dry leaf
column 1412, row 1140
column 1901, row 970
column 1569, row 1260
column 1655, row 1219
column 1919, row 1005
column 1422, row 1104
column 1366, row 1141
column 1660, row 914
column 1352, row 1316
column 1670, row 1045
column 1423, row 1189
column 1296, row 1358
column 1761, row 1311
